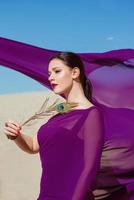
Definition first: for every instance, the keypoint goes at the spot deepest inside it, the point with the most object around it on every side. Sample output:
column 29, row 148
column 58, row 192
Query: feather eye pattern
column 65, row 107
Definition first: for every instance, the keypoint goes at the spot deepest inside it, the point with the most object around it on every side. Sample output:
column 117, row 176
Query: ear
column 75, row 72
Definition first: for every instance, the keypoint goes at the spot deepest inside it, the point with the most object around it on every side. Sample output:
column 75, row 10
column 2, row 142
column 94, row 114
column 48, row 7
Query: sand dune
column 19, row 171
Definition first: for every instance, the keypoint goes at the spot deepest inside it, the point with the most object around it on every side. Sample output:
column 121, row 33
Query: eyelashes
column 57, row 71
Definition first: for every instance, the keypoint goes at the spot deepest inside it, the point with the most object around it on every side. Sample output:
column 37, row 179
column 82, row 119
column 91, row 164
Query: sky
column 71, row 25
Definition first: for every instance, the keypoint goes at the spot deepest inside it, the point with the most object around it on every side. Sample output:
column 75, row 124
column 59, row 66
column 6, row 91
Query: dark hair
column 73, row 60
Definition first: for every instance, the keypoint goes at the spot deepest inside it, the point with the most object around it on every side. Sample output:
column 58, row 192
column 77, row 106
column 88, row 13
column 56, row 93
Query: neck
column 76, row 95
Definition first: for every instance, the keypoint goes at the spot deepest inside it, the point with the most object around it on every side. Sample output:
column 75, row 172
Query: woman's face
column 61, row 75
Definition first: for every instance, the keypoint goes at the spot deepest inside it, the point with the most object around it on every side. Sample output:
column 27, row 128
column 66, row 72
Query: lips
column 54, row 85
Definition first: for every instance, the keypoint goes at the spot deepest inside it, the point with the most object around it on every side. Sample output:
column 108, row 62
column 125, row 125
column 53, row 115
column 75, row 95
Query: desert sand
column 20, row 172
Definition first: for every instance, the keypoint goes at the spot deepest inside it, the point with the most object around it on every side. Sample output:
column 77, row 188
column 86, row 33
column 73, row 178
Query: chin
column 58, row 92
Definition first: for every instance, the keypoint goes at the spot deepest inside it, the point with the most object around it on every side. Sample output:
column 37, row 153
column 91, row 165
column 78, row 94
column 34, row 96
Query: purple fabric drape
column 112, row 77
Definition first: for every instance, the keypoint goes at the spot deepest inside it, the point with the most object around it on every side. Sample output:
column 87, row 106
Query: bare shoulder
column 35, row 144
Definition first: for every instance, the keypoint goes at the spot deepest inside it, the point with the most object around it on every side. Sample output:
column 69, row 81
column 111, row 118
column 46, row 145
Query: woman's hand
column 12, row 130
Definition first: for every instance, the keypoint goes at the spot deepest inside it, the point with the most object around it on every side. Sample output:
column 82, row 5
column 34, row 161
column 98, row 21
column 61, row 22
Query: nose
column 50, row 78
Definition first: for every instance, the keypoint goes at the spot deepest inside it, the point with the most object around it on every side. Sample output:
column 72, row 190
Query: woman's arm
column 26, row 143
column 93, row 136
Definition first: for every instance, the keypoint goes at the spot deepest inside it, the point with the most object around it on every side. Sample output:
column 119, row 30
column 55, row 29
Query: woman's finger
column 9, row 133
column 9, row 124
column 12, row 126
column 14, row 123
column 16, row 131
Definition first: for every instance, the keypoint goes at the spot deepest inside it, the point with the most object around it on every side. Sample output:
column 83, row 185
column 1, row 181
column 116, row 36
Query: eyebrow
column 52, row 69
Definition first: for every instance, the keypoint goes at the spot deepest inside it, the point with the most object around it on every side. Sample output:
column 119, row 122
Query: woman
column 70, row 144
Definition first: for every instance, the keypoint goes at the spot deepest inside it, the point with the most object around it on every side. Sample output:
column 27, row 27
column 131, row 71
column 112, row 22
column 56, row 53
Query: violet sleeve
column 93, row 135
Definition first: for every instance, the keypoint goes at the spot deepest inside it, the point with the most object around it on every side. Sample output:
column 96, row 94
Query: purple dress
column 70, row 152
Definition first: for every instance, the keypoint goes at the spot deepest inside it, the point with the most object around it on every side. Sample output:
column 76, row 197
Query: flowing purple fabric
column 112, row 77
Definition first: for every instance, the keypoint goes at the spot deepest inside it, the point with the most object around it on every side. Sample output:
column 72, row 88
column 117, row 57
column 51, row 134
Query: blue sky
column 71, row 25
